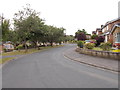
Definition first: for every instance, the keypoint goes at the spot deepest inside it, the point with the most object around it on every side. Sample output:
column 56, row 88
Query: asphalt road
column 50, row 69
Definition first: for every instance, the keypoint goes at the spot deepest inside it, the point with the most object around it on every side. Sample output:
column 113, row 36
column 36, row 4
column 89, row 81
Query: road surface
column 51, row 69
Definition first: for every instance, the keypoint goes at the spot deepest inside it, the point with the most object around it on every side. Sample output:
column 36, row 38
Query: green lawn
column 22, row 52
column 6, row 59
column 33, row 50
column 97, row 48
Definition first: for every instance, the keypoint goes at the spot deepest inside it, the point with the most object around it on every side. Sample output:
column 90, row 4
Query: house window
column 117, row 37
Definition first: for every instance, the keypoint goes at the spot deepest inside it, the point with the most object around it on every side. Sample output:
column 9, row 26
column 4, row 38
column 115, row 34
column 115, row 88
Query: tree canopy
column 81, row 34
column 29, row 26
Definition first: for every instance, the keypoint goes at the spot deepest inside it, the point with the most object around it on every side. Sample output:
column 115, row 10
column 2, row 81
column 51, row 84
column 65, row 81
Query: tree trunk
column 51, row 43
column 26, row 48
column 37, row 46
column 18, row 50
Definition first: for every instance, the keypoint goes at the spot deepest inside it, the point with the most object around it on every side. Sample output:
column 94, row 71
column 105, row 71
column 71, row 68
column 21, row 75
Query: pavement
column 103, row 63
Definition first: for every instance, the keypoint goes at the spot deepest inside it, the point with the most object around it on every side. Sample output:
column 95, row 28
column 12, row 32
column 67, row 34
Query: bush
column 106, row 46
column 80, row 44
column 5, row 50
column 89, row 45
column 94, row 36
column 99, row 40
column 19, row 47
column 74, row 41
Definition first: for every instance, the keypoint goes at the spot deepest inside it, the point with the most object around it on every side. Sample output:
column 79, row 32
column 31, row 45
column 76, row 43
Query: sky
column 70, row 14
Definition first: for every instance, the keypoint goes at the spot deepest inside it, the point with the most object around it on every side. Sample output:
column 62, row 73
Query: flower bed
column 104, row 54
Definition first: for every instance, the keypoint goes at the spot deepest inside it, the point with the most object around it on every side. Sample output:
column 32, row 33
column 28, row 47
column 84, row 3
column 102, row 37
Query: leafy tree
column 13, row 37
column 27, row 23
column 81, row 34
column 99, row 40
column 54, row 34
column 5, row 24
column 94, row 36
column 69, row 38
column 37, row 32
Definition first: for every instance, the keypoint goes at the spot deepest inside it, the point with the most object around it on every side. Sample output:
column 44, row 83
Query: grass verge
column 3, row 60
column 22, row 52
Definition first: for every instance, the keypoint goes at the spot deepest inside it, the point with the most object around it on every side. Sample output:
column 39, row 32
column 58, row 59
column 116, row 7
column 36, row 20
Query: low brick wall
column 104, row 54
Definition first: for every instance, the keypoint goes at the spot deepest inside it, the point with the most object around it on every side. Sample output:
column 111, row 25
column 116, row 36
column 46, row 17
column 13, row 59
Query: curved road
column 50, row 69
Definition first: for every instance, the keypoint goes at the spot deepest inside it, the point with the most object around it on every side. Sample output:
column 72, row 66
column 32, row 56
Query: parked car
column 8, row 46
column 90, row 41
column 87, row 41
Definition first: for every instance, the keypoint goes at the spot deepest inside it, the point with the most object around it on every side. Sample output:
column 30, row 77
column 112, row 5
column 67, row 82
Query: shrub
column 74, row 41
column 106, row 46
column 89, row 45
column 99, row 40
column 94, row 36
column 80, row 44
column 5, row 50
column 19, row 47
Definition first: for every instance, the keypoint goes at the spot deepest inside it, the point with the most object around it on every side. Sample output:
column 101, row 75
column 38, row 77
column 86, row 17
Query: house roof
column 114, row 27
column 110, row 22
column 98, row 29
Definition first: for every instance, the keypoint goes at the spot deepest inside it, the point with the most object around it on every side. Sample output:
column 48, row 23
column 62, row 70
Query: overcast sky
column 70, row 14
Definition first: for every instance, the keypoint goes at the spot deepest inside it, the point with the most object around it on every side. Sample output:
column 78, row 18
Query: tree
column 5, row 24
column 99, row 40
column 27, row 23
column 81, row 34
column 69, row 38
column 13, row 37
column 54, row 34
column 37, row 32
column 94, row 36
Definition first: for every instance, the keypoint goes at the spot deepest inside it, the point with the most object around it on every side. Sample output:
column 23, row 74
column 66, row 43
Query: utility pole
column 2, row 19
column 118, row 9
column 1, row 26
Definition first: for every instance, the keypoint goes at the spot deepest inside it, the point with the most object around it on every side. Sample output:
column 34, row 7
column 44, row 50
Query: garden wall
column 104, row 54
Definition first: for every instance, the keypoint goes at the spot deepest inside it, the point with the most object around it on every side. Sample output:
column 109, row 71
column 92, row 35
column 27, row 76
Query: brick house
column 107, row 28
column 93, row 32
column 115, row 32
column 98, row 31
column 88, row 36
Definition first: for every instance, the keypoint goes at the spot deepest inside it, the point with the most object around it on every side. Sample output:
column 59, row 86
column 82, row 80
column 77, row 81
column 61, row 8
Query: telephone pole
column 118, row 9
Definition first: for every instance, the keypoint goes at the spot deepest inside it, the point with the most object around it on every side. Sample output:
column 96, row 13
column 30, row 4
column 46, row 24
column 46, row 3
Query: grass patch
column 3, row 60
column 22, row 52
column 97, row 49
column 100, row 49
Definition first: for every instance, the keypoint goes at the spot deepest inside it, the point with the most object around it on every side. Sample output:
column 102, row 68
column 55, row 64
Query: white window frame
column 117, row 37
